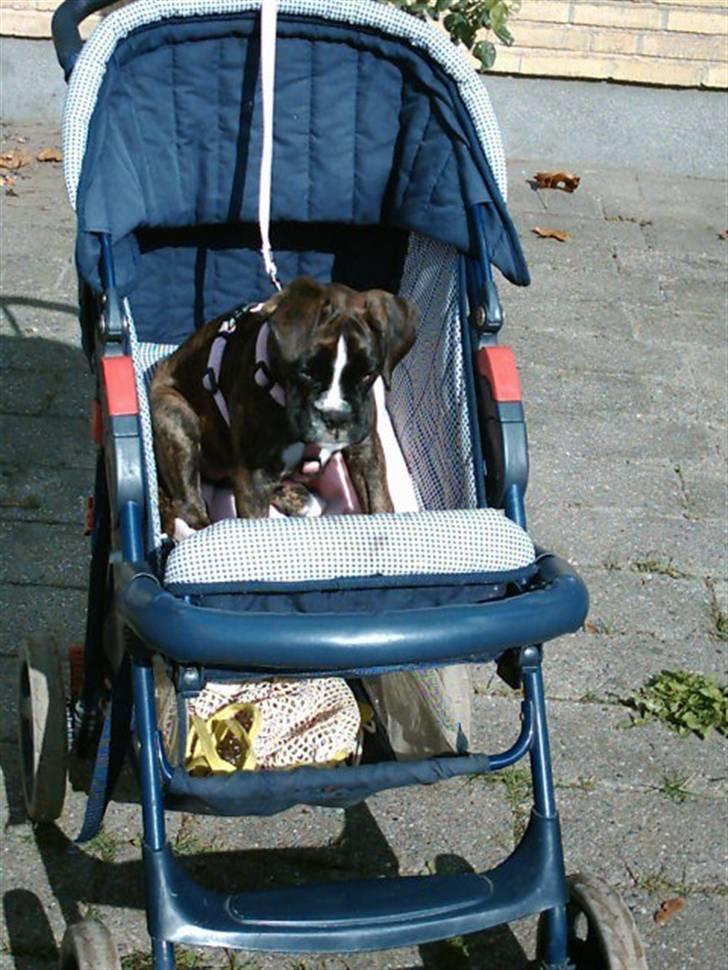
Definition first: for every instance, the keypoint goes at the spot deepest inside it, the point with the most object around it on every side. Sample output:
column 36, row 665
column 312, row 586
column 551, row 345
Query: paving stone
column 61, row 393
column 697, row 548
column 661, row 606
column 588, row 483
column 47, row 442
column 35, row 353
column 646, row 436
column 592, row 665
column 43, row 555
column 34, row 610
column 45, row 494
column 641, row 844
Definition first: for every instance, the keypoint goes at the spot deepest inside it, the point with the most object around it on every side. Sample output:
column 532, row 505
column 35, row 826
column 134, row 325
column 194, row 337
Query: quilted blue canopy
column 371, row 142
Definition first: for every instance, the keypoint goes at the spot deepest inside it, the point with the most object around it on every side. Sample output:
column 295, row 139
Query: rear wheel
column 42, row 729
column 88, row 946
column 601, row 930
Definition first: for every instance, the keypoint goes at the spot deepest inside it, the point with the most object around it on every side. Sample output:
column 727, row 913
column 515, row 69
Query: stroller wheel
column 601, row 930
column 88, row 946
column 42, row 729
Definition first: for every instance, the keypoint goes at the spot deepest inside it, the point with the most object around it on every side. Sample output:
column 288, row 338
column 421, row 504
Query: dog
column 258, row 395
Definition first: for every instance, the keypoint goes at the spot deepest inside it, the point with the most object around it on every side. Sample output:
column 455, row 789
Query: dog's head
column 328, row 345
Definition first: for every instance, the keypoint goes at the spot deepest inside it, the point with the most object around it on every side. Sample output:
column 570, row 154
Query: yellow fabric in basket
column 204, row 737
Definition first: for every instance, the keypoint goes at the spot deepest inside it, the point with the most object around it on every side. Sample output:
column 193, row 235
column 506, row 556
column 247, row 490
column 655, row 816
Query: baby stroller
column 387, row 172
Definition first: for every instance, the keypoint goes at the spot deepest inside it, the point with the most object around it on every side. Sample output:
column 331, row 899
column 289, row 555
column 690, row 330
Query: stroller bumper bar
column 346, row 642
column 367, row 914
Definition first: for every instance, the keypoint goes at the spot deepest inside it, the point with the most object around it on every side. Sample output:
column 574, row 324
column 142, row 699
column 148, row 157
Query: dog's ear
column 393, row 319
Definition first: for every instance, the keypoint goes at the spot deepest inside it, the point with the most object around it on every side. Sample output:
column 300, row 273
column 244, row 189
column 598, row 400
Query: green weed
column 658, row 567
column 674, row 785
column 688, row 703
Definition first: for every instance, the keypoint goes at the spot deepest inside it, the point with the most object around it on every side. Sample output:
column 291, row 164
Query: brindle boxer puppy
column 246, row 395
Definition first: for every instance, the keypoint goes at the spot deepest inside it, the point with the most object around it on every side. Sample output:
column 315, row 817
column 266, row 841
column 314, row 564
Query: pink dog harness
column 331, row 483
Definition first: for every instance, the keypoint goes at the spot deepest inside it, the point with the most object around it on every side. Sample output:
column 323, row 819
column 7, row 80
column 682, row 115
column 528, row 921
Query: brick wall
column 32, row 18
column 675, row 42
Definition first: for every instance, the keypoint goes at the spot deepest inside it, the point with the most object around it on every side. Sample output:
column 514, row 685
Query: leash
column 268, row 22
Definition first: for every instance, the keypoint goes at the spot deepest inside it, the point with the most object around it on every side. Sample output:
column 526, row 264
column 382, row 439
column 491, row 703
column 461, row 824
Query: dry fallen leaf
column 50, row 155
column 15, row 159
column 566, row 181
column 7, row 181
column 590, row 627
column 21, row 139
column 723, row 235
column 551, row 234
column 668, row 909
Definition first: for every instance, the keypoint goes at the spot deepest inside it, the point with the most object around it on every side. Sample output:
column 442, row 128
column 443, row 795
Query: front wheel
column 601, row 931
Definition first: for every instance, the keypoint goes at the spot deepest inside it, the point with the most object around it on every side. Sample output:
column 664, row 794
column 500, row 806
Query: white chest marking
column 332, row 399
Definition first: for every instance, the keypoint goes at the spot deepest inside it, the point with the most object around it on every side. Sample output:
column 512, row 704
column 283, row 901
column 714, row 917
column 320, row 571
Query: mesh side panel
column 428, row 402
column 90, row 68
column 145, row 358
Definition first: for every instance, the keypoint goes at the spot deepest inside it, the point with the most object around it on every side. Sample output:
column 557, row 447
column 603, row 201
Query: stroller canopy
column 163, row 130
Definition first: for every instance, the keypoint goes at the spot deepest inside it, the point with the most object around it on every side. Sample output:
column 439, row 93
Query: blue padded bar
column 346, row 641
column 371, row 914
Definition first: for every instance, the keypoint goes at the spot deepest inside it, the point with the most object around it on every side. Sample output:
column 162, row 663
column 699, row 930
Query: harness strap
column 263, row 377
column 211, row 377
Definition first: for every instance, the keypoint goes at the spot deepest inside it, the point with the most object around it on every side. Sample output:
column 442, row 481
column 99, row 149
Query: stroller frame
column 199, row 643
column 390, row 913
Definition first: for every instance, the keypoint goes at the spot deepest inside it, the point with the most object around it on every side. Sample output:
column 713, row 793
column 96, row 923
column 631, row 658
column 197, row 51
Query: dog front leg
column 253, row 491
column 367, row 471
column 177, row 447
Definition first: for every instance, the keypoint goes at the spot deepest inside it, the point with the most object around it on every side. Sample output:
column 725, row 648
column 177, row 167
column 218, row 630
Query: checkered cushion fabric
column 294, row 551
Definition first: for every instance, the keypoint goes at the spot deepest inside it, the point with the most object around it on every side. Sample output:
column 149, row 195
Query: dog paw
column 294, row 499
column 182, row 531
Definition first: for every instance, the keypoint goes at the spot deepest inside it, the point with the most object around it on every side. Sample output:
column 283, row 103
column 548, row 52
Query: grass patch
column 185, row 960
column 657, row 883
column 187, row 841
column 720, row 622
column 658, row 567
column 686, row 702
column 103, row 846
column 674, row 785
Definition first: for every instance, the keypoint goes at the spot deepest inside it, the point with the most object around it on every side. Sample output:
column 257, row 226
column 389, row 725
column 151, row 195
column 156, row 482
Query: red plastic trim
column 117, row 380
column 498, row 366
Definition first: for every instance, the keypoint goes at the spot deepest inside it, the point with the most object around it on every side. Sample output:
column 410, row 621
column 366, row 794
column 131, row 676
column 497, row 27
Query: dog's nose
column 334, row 418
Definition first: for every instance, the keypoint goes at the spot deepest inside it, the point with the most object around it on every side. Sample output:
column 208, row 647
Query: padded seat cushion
column 415, row 549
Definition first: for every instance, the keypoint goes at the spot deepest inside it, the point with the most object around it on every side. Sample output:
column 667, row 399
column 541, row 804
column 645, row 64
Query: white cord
column 268, row 21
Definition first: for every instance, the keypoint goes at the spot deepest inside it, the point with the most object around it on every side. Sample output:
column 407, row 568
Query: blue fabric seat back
column 367, row 133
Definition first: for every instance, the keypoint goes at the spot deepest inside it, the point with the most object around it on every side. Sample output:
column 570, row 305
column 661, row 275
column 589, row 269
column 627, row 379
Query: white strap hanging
column 268, row 21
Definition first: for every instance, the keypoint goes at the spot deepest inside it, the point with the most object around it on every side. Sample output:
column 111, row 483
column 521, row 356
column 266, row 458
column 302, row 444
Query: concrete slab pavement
column 622, row 348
